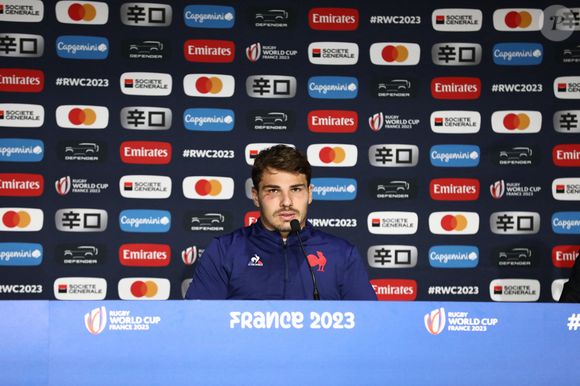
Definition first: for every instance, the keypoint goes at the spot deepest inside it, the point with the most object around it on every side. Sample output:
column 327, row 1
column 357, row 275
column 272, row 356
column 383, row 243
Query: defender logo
column 394, row 88
column 200, row 221
column 515, row 155
column 82, row 151
column 279, row 120
column 393, row 189
column 272, row 18
column 146, row 49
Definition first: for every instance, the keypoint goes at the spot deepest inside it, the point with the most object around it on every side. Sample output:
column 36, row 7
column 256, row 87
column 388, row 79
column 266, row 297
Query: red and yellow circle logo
column 85, row 12
column 398, row 53
column 332, row 154
column 205, row 187
column 146, row 289
column 205, row 85
column 515, row 19
column 78, row 116
column 452, row 222
column 516, row 121
column 13, row 219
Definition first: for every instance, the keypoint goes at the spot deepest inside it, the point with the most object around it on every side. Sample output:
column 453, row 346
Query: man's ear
column 310, row 187
column 255, row 197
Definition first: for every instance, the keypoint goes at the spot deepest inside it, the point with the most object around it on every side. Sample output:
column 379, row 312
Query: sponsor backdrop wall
column 443, row 136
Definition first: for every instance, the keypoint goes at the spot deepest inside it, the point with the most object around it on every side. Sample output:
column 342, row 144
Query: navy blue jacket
column 255, row 263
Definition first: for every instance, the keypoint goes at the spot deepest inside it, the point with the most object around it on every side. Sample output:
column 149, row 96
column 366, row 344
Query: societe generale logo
column 21, row 80
column 146, row 83
column 454, row 223
column 209, row 85
column 518, row 19
column 456, row 20
column 567, row 87
column 455, row 122
column 435, row 321
column 564, row 256
column 145, row 255
column 332, row 155
column 333, row 19
column 454, row 189
column 208, row 188
column 82, row 117
column 394, row 289
column 395, row 54
column 209, row 51
column 23, row 11
column 82, row 12
column 21, row 219
column 332, row 121
column 566, row 189
column 144, row 288
column 145, row 152
column 516, row 122
column 96, row 320
column 253, row 149
column 21, row 185
column 455, row 87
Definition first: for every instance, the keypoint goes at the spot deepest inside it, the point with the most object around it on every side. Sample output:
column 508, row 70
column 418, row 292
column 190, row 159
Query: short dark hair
column 280, row 157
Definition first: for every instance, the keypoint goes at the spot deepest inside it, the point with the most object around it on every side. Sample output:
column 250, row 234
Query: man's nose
column 286, row 199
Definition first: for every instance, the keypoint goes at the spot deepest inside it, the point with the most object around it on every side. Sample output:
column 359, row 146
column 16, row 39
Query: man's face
column 282, row 197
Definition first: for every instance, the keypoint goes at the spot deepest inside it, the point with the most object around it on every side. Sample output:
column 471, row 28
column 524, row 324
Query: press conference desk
column 288, row 343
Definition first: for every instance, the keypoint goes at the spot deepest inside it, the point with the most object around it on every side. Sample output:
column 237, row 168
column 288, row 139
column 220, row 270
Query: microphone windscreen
column 295, row 225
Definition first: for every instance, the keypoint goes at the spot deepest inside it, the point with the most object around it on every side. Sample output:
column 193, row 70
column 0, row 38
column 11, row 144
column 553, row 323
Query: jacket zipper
column 285, row 249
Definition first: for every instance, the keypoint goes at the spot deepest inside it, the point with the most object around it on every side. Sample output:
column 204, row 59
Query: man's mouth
column 287, row 216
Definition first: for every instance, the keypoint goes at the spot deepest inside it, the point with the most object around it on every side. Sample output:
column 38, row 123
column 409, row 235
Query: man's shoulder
column 233, row 237
column 317, row 235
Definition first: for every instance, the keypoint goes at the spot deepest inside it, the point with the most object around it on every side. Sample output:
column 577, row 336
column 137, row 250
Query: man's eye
column 272, row 190
column 296, row 189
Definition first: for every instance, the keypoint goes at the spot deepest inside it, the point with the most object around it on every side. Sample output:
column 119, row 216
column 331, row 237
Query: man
column 265, row 260
column 571, row 290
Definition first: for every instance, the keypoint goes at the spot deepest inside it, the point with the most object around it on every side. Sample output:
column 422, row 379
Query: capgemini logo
column 96, row 320
column 435, row 321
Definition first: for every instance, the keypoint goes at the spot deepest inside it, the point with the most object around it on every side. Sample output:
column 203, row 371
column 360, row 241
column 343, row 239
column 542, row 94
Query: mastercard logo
column 84, row 12
column 209, row 85
column 398, row 53
column 78, row 116
column 144, row 289
column 514, row 121
column 205, row 187
column 515, row 19
column 332, row 154
column 452, row 222
column 16, row 219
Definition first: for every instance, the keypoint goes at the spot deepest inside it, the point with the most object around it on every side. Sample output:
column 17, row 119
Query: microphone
column 295, row 225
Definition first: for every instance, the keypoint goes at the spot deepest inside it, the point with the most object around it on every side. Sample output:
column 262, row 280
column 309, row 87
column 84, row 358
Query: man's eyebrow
column 270, row 186
column 297, row 185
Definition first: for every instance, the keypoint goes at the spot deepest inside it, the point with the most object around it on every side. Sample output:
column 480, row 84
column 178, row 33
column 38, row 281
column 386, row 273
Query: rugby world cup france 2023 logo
column 435, row 321
column 96, row 320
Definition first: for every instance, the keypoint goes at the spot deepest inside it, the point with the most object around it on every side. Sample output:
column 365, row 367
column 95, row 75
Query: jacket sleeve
column 210, row 278
column 571, row 291
column 356, row 285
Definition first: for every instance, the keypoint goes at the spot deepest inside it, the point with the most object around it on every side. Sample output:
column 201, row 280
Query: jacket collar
column 259, row 230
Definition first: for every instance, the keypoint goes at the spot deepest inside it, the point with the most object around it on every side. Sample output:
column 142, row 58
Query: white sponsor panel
column 208, row 188
column 185, row 286
column 81, row 220
column 518, row 19
column 514, row 290
column 146, row 83
column 332, row 155
column 557, row 288
column 457, row 20
column 333, row 53
column 454, row 223
column 80, row 288
column 23, row 11
column 248, row 188
column 21, row 219
column 252, row 150
column 567, row 87
column 82, row 117
column 21, row 115
column 85, row 12
column 392, row 223
column 395, row 54
column 144, row 288
column 516, row 122
column 455, row 122
column 566, row 189
column 209, row 85
column 514, row 223
column 392, row 256
column 145, row 186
